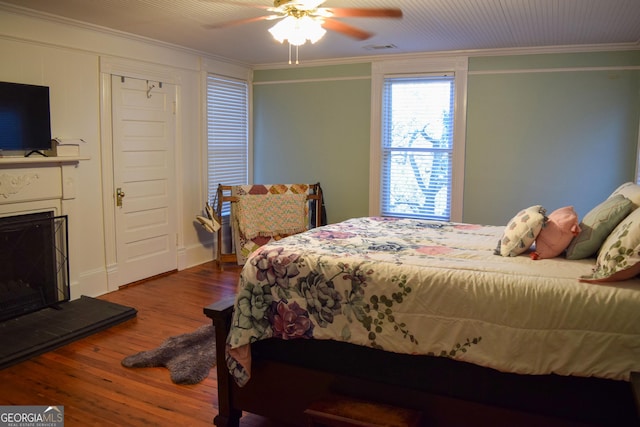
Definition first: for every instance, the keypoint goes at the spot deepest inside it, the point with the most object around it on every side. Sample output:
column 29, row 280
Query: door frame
column 122, row 67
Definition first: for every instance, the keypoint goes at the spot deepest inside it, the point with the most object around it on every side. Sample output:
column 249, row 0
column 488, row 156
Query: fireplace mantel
column 36, row 184
column 9, row 161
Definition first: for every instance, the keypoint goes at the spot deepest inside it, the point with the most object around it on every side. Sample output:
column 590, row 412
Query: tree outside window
column 417, row 146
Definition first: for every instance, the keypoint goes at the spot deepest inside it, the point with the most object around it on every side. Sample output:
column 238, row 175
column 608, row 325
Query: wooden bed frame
column 287, row 376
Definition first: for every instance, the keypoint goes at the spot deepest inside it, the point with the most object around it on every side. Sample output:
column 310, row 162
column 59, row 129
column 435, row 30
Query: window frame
column 244, row 77
column 415, row 67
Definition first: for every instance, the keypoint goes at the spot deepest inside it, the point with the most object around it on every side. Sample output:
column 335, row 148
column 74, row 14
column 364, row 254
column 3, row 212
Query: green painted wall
column 553, row 129
column 563, row 133
column 312, row 125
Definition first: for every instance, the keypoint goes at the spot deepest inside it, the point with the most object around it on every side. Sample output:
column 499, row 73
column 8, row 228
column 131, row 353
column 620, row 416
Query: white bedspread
column 421, row 287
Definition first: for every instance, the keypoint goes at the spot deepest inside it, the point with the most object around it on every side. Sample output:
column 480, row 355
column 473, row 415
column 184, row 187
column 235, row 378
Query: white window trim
column 220, row 68
column 382, row 69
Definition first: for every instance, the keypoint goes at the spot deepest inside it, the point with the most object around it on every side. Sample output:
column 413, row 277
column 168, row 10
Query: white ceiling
column 427, row 25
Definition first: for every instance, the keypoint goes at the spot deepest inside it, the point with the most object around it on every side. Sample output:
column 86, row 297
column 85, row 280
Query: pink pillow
column 557, row 233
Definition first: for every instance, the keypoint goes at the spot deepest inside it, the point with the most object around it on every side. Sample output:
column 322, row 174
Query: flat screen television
column 25, row 119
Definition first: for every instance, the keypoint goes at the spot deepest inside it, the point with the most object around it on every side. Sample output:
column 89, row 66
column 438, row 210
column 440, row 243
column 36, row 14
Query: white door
column 143, row 116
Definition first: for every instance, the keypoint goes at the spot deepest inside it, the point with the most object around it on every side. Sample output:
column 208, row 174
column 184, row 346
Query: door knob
column 119, row 196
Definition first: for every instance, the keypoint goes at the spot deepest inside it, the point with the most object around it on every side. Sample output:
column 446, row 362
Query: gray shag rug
column 189, row 357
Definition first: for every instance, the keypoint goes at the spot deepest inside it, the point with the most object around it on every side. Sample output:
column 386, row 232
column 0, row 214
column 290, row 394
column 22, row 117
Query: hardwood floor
column 86, row 376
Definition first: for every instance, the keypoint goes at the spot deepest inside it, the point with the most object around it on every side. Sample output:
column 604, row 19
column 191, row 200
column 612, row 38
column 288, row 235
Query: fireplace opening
column 34, row 265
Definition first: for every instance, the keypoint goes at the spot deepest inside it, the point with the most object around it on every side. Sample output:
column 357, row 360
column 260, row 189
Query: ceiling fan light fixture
column 298, row 30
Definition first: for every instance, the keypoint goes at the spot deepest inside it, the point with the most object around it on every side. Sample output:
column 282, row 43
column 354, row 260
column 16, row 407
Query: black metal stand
column 35, row 152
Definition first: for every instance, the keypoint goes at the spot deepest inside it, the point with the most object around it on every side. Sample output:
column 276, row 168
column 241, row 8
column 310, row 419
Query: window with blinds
column 227, row 133
column 417, row 146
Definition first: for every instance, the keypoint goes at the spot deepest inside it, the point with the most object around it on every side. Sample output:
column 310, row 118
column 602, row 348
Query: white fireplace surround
column 39, row 184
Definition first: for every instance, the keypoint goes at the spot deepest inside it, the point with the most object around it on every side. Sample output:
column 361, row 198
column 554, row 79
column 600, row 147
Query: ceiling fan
column 302, row 20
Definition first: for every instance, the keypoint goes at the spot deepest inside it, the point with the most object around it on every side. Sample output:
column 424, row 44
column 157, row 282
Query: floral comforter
column 433, row 288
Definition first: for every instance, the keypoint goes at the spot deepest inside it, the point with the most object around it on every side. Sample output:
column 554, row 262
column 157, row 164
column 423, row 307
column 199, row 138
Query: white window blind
column 227, row 133
column 417, row 146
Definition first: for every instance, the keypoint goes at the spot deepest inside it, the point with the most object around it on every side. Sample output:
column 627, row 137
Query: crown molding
column 469, row 53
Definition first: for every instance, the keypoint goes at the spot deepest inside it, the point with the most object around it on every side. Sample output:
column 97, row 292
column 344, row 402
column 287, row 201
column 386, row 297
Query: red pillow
column 557, row 233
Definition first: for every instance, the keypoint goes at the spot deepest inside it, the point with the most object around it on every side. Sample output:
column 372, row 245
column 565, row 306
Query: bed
column 425, row 315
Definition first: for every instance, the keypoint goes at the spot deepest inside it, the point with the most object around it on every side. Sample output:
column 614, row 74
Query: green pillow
column 597, row 225
column 619, row 258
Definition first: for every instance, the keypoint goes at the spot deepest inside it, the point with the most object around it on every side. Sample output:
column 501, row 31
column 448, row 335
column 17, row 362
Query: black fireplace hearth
column 36, row 333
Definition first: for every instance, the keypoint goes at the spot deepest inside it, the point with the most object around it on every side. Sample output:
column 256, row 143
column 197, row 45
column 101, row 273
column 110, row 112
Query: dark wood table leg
column 635, row 386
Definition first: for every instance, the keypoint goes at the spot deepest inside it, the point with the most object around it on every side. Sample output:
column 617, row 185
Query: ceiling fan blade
column 347, row 30
column 228, row 24
column 341, row 12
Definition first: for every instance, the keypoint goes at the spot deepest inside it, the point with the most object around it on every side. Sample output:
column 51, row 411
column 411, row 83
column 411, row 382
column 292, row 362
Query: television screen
column 25, row 120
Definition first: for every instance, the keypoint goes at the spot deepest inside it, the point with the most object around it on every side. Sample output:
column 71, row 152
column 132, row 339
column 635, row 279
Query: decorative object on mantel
column 67, row 147
column 13, row 184
column 189, row 357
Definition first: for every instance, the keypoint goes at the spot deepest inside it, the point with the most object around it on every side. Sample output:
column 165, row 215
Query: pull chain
column 297, row 62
